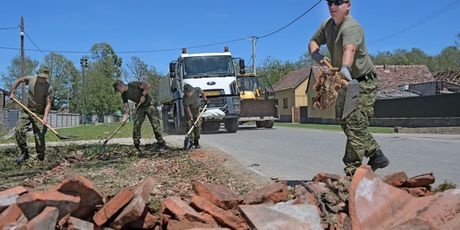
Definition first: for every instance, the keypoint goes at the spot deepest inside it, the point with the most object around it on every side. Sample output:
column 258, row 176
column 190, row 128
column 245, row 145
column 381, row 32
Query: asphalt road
column 299, row 154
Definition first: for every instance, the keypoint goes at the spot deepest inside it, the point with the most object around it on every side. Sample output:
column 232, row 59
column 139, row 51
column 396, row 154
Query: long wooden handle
column 327, row 63
column 34, row 115
column 119, row 127
column 198, row 118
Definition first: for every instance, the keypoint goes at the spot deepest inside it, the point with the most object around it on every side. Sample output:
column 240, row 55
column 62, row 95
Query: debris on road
column 328, row 201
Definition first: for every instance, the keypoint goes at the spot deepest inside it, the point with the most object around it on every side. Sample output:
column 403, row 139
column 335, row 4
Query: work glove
column 345, row 71
column 317, row 57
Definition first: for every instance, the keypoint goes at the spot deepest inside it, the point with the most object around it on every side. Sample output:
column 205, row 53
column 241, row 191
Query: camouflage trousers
column 139, row 117
column 197, row 130
column 360, row 142
column 38, row 129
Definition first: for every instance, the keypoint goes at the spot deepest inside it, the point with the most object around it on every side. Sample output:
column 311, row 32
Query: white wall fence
column 55, row 119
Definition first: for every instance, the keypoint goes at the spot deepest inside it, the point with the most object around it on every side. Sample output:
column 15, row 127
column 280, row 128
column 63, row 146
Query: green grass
column 331, row 127
column 92, row 132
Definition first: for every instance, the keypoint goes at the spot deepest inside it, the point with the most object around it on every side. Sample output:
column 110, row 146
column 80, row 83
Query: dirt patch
column 119, row 166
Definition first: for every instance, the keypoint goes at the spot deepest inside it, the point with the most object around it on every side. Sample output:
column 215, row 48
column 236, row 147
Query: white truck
column 215, row 74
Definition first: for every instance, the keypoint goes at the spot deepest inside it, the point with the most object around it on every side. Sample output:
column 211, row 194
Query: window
column 285, row 103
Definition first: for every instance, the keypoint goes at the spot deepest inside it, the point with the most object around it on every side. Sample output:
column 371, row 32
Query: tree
column 138, row 70
column 104, row 69
column 274, row 69
column 14, row 72
column 63, row 74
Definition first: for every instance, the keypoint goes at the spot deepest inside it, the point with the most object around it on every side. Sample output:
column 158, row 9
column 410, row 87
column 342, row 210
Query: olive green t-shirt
column 38, row 92
column 134, row 94
column 337, row 37
column 194, row 100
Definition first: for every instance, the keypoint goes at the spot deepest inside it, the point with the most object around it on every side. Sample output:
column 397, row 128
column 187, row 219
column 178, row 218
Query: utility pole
column 84, row 64
column 22, row 58
column 254, row 41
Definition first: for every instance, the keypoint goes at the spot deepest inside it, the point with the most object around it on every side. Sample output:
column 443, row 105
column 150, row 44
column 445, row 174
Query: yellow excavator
column 256, row 106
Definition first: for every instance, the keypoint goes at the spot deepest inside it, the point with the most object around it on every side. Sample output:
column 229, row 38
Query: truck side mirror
column 172, row 70
column 241, row 63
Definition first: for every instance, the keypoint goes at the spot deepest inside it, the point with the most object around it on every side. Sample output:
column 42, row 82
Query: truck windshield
column 247, row 84
column 210, row 66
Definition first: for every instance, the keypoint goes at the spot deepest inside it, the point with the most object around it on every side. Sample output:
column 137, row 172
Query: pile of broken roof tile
column 328, row 201
column 367, row 201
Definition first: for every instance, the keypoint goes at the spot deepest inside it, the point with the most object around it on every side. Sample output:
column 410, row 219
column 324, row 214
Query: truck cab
column 215, row 74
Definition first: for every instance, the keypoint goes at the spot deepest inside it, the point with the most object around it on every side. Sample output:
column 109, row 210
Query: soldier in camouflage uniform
column 191, row 103
column 138, row 93
column 39, row 102
column 344, row 38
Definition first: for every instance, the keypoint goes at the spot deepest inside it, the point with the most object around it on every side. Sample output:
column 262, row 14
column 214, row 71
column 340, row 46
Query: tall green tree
column 138, row 70
column 63, row 75
column 104, row 68
column 14, row 72
column 274, row 69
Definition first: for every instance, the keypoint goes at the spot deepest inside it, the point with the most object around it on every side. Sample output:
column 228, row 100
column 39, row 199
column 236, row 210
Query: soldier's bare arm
column 125, row 113
column 15, row 85
column 47, row 109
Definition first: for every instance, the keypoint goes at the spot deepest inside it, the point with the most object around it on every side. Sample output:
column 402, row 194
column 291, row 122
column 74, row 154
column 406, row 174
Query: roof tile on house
column 292, row 79
column 391, row 77
column 451, row 76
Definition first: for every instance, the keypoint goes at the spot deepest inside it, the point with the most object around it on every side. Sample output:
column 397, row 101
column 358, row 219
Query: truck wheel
column 260, row 124
column 269, row 124
column 164, row 118
column 231, row 125
column 210, row 126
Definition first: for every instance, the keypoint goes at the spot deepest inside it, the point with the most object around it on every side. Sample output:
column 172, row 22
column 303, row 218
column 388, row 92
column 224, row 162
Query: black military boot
column 138, row 150
column 41, row 156
column 161, row 144
column 378, row 160
column 196, row 144
column 23, row 157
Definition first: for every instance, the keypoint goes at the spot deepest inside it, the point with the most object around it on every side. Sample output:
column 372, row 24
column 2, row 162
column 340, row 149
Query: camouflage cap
column 187, row 88
column 44, row 72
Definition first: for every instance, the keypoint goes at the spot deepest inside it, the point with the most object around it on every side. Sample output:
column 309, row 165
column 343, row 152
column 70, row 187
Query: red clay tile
column 275, row 192
column 395, row 179
column 186, row 224
column 424, row 180
column 180, row 209
column 47, row 219
column 222, row 216
column 9, row 196
column 78, row 224
column 113, row 206
column 218, row 195
column 374, row 204
column 10, row 215
column 135, row 208
column 147, row 221
column 281, row 216
column 89, row 194
column 33, row 203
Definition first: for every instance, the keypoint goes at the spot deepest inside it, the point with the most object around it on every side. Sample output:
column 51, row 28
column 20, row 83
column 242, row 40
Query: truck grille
column 216, row 102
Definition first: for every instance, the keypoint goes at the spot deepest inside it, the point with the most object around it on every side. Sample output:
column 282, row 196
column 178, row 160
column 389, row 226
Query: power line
column 9, row 28
column 417, row 23
column 123, row 52
column 168, row 49
column 290, row 23
column 34, row 43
